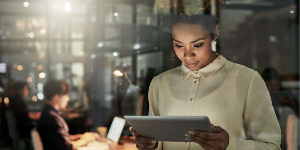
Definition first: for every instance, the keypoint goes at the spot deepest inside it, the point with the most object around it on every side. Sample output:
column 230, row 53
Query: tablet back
column 168, row 128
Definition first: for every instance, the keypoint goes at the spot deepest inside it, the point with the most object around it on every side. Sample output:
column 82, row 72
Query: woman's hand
column 218, row 140
column 144, row 142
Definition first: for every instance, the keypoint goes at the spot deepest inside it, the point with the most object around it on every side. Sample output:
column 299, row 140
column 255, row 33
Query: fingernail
column 153, row 141
column 187, row 135
column 191, row 132
column 188, row 139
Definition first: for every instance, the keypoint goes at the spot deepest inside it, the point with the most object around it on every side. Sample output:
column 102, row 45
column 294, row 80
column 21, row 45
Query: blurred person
column 52, row 127
column 234, row 98
column 286, row 108
column 18, row 106
column 280, row 96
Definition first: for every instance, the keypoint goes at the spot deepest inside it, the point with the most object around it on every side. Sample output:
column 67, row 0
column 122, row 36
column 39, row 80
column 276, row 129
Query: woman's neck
column 211, row 58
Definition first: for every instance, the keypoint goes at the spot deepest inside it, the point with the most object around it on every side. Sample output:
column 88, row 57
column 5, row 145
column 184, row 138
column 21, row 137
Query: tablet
column 168, row 128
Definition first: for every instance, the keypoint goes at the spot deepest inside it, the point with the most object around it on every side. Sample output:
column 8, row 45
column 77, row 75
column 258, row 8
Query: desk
column 127, row 144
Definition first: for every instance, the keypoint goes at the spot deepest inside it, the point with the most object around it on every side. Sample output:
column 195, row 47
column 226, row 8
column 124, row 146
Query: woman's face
column 192, row 45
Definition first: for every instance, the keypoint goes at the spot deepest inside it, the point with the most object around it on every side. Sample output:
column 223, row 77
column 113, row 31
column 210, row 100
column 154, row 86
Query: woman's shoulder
column 240, row 69
column 166, row 74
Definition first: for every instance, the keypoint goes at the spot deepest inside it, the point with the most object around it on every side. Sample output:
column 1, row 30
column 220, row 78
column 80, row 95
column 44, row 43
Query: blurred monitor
column 116, row 129
column 3, row 68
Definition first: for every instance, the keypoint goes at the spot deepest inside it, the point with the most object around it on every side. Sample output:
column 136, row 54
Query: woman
column 234, row 97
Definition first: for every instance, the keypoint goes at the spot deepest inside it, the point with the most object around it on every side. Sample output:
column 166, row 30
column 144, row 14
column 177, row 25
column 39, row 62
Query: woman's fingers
column 216, row 140
column 142, row 148
column 145, row 142
column 133, row 132
column 206, row 135
column 218, row 129
column 204, row 145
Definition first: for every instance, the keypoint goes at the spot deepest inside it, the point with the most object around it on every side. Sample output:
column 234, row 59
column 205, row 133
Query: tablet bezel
column 168, row 128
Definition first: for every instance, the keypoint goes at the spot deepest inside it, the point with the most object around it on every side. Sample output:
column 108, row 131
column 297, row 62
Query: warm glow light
column 34, row 98
column 0, row 100
column 115, row 54
column 42, row 55
column 20, row 67
column 42, row 75
column 67, row 7
column 31, row 35
column 43, row 31
column 26, row 4
column 40, row 67
column 118, row 73
column 6, row 100
column 29, row 79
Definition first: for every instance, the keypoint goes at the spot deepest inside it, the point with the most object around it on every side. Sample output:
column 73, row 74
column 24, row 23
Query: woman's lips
column 192, row 64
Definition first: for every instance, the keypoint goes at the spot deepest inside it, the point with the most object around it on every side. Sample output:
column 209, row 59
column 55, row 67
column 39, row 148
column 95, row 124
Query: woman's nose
column 189, row 53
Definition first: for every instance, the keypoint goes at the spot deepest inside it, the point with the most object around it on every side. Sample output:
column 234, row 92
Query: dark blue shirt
column 53, row 130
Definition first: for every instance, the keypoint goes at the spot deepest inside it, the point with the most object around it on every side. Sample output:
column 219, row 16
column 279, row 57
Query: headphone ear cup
column 214, row 45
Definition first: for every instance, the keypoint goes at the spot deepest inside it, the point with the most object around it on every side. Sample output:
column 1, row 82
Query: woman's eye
column 179, row 46
column 198, row 45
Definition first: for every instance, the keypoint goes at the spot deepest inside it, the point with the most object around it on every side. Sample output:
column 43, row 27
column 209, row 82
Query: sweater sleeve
column 260, row 122
column 153, row 100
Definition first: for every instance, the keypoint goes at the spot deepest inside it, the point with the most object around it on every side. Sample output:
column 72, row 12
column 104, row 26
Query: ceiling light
column 115, row 54
column 43, row 31
column 20, row 67
column 34, row 98
column 137, row 46
column 40, row 67
column 67, row 7
column 40, row 96
column 116, row 14
column 42, row 75
column 26, row 4
column 31, row 35
column 93, row 56
column 100, row 44
column 29, row 79
column 34, row 21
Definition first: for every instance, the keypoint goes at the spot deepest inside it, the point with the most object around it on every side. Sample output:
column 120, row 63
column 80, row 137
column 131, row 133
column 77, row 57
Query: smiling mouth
column 192, row 64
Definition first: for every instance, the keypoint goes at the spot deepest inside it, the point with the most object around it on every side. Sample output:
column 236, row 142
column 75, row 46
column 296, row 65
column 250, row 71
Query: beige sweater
column 233, row 96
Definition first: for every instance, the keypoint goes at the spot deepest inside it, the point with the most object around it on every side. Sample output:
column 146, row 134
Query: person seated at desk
column 53, row 130
column 20, row 110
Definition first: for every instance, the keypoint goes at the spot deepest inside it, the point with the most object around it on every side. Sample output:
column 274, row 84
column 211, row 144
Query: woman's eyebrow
column 197, row 40
column 191, row 42
column 176, row 41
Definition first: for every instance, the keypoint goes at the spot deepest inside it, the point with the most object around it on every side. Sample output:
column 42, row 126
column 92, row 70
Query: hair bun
column 188, row 7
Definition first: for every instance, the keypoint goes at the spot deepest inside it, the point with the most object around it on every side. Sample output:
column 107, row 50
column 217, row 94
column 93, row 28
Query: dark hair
column 19, row 86
column 56, row 87
column 207, row 22
column 269, row 74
